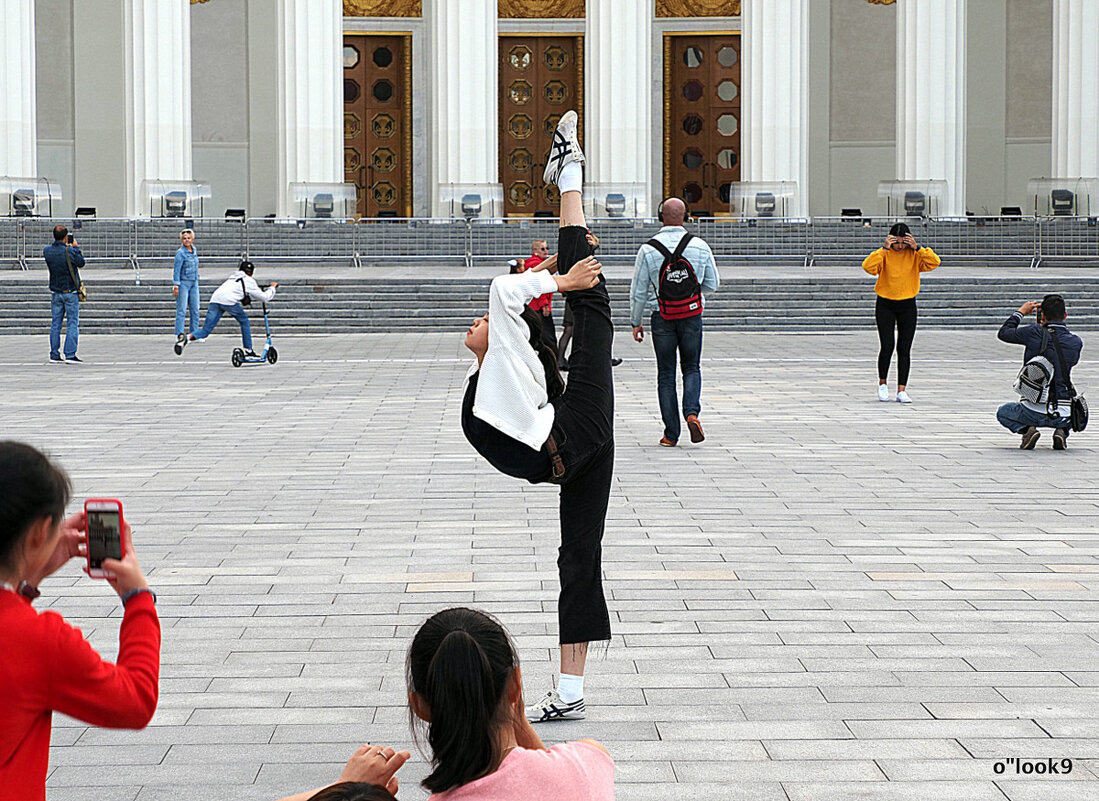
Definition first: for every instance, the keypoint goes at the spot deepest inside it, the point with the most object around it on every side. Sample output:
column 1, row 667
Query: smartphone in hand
column 103, row 530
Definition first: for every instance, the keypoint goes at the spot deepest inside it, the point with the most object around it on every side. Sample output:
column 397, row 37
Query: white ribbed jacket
column 511, row 391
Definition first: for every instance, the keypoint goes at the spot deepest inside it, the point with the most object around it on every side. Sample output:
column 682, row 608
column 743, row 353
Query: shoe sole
column 1029, row 441
column 664, row 444
column 697, row 434
column 555, row 718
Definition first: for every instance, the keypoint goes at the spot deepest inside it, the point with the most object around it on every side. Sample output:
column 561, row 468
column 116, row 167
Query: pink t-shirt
column 573, row 771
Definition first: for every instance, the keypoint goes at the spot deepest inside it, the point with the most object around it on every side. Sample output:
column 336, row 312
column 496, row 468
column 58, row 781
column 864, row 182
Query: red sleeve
column 121, row 696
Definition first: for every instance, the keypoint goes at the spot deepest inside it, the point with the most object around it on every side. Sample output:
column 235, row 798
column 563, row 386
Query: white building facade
column 418, row 102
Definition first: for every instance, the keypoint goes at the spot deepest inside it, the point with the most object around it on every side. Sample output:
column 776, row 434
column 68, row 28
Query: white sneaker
column 902, row 397
column 883, row 392
column 564, row 150
column 551, row 707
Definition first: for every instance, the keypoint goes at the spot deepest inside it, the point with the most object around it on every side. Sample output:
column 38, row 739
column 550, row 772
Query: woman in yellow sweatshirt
column 898, row 266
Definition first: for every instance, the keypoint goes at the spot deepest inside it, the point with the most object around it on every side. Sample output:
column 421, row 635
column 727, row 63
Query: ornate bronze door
column 541, row 77
column 702, row 119
column 377, row 122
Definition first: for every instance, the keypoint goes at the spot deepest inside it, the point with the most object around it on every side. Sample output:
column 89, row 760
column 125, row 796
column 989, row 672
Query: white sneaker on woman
column 551, row 707
column 565, row 148
column 902, row 397
column 883, row 392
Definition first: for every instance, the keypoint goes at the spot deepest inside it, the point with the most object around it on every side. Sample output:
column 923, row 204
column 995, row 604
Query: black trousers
column 899, row 314
column 583, row 429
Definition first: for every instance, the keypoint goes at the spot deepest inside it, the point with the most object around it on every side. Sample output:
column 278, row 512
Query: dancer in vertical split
column 517, row 413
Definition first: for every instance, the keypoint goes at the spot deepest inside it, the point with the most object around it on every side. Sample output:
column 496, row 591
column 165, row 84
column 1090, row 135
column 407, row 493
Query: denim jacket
column 60, row 280
column 1031, row 337
column 186, row 268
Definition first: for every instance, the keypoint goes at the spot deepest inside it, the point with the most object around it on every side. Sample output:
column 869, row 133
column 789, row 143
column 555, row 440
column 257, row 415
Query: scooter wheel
column 272, row 355
column 178, row 349
column 238, row 357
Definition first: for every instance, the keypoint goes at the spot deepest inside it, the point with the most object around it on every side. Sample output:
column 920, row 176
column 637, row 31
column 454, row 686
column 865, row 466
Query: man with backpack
column 671, row 273
column 1047, row 396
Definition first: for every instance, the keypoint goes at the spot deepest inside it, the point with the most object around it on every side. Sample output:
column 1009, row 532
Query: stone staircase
column 353, row 304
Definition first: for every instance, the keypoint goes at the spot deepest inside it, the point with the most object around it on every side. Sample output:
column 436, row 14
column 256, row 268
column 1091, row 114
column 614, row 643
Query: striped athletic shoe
column 565, row 148
column 551, row 707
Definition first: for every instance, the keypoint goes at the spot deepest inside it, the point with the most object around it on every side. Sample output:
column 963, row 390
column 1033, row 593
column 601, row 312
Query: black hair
column 247, row 267
column 31, row 487
column 900, row 229
column 60, row 233
column 555, row 384
column 353, row 791
column 1053, row 308
column 459, row 664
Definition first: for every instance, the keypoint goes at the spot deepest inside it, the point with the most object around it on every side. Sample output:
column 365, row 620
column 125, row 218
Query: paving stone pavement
column 830, row 598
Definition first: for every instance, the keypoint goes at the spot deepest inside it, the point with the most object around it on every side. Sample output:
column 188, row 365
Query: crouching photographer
column 1047, row 398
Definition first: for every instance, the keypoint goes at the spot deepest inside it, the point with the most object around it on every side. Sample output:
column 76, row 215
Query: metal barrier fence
column 1067, row 240
column 1007, row 240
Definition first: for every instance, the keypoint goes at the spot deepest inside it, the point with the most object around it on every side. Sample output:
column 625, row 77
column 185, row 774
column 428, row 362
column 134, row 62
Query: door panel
column 541, row 77
column 377, row 94
column 702, row 119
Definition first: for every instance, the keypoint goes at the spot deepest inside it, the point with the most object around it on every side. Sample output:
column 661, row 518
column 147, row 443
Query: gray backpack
column 1035, row 380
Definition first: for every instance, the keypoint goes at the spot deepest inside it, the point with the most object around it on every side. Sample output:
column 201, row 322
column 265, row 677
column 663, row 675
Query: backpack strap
column 687, row 237
column 659, row 248
column 1064, row 372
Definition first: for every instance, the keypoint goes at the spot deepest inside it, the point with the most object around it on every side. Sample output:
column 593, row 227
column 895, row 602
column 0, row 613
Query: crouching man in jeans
column 1024, row 417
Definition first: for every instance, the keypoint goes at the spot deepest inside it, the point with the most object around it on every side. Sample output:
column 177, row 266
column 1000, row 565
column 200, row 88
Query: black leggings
column 902, row 315
column 583, row 429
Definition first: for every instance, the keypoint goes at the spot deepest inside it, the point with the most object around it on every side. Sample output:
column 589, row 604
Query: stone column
column 775, row 83
column 157, row 44
column 618, row 88
column 18, row 126
column 931, row 70
column 1075, row 92
column 310, row 94
column 464, row 111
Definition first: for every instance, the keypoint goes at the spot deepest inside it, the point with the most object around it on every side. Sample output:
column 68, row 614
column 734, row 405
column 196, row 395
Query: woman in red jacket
column 47, row 664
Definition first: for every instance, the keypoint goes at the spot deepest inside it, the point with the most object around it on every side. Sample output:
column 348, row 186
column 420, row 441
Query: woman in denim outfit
column 185, row 282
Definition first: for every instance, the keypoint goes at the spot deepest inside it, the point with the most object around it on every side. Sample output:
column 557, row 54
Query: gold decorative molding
column 199, row 1
column 882, row 2
column 382, row 8
column 698, row 8
column 540, row 9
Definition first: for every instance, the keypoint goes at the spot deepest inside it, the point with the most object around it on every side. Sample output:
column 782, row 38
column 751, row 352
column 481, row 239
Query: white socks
column 570, row 688
column 571, row 178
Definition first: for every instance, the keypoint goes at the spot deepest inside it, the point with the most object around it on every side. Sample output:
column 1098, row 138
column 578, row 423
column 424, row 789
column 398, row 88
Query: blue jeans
column 236, row 311
column 187, row 300
column 64, row 304
column 1016, row 417
column 685, row 338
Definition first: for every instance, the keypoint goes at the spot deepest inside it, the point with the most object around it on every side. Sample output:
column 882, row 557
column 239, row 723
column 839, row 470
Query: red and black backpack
column 679, row 294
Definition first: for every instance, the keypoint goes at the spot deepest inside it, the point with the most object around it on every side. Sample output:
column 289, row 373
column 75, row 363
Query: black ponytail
column 31, row 487
column 555, row 384
column 459, row 663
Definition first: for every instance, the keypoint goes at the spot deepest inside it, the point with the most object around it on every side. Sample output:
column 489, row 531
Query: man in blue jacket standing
column 1024, row 417
column 64, row 261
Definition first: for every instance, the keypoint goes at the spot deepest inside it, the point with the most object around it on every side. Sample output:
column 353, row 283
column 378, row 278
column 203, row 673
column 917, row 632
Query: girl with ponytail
column 465, row 685
column 518, row 414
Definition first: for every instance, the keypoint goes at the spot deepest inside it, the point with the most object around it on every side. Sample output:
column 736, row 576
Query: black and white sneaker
column 564, row 150
column 551, row 707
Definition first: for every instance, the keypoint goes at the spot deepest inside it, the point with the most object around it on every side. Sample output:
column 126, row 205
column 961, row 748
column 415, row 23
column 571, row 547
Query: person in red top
column 47, row 665
column 543, row 304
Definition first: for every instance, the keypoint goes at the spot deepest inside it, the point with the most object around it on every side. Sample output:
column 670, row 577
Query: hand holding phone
column 110, row 546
